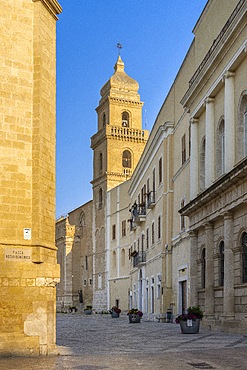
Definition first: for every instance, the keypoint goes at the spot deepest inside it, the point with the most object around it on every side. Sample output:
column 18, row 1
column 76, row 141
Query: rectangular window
column 245, row 133
column 143, row 238
column 85, row 282
column 147, row 238
column 86, row 262
column 160, row 170
column 154, row 180
column 158, row 291
column 183, row 149
column 147, row 185
column 90, row 281
column 113, row 232
column 153, row 233
column 189, row 140
column 159, row 227
column 143, row 191
column 123, row 228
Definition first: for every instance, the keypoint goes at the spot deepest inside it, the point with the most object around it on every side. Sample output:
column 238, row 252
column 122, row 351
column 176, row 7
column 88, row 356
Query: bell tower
column 117, row 147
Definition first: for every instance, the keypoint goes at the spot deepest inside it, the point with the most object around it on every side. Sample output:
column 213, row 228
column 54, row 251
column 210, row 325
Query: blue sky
column 155, row 35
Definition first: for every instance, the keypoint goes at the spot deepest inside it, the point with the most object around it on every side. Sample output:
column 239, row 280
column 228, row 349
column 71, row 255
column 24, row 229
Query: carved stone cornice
column 52, row 6
column 120, row 101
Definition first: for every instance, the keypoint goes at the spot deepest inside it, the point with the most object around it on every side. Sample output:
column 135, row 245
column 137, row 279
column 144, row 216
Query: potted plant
column 115, row 311
column 190, row 321
column 88, row 310
column 135, row 315
column 72, row 309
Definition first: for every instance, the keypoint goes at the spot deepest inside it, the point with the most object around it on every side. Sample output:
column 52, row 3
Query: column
column 229, row 121
column 194, row 185
column 210, row 145
column 228, row 267
column 193, row 275
column 209, row 283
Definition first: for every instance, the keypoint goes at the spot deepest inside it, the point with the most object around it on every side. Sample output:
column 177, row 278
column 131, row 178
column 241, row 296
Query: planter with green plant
column 135, row 315
column 190, row 321
column 88, row 310
column 115, row 311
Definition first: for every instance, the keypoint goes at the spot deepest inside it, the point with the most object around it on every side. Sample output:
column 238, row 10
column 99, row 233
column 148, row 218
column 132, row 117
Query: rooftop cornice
column 217, row 46
column 222, row 184
column 52, row 6
column 149, row 153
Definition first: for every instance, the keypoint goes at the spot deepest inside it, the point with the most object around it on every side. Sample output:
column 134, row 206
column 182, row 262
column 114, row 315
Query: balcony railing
column 138, row 213
column 139, row 259
column 151, row 199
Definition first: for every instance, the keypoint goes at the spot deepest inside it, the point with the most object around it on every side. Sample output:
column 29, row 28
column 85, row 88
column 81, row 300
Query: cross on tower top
column 119, row 46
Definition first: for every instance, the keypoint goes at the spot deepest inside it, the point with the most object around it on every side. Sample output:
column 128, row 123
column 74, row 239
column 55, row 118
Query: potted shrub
column 190, row 321
column 72, row 309
column 88, row 310
column 135, row 315
column 115, row 311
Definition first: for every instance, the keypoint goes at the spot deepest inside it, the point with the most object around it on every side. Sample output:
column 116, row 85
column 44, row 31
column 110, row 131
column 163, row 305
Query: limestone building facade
column 216, row 211
column 117, row 147
column 75, row 256
column 172, row 232
column 29, row 270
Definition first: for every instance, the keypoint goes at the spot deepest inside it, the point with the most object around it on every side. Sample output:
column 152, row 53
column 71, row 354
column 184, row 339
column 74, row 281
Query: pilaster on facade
column 209, row 273
column 210, row 144
column 194, row 163
column 193, row 273
column 229, row 299
column 229, row 108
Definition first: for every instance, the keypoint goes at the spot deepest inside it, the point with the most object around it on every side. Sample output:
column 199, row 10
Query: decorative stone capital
column 194, row 120
column 228, row 74
column 52, row 6
column 192, row 233
column 208, row 226
column 228, row 216
column 209, row 100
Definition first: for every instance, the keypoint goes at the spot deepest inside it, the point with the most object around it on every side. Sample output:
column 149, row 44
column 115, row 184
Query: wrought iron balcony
column 138, row 213
column 151, row 199
column 139, row 259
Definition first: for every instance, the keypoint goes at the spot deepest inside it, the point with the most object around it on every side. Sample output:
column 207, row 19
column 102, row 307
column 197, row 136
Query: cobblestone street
column 99, row 342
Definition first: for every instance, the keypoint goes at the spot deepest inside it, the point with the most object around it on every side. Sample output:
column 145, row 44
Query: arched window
column 244, row 249
column 242, row 128
column 100, row 197
column 220, row 150
column 202, row 164
column 125, row 119
column 100, row 162
column 203, row 269
column 221, row 264
column 104, row 119
column 114, row 260
column 126, row 159
column 122, row 258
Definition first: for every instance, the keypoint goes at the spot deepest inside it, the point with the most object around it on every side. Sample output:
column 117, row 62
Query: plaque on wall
column 18, row 254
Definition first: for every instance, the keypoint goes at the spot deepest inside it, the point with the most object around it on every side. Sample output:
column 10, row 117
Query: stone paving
column 99, row 342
